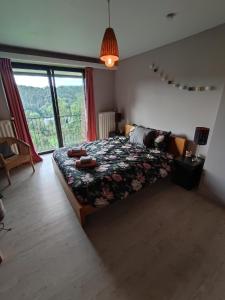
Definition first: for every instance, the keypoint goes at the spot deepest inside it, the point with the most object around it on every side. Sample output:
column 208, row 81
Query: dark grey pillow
column 162, row 140
column 137, row 135
column 6, row 150
column 149, row 139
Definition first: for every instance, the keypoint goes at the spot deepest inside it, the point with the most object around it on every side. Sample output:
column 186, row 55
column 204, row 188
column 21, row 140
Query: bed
column 122, row 169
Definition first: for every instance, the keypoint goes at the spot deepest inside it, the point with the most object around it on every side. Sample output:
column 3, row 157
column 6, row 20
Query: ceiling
column 77, row 26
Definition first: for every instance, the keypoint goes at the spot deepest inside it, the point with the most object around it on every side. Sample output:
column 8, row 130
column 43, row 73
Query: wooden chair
column 22, row 157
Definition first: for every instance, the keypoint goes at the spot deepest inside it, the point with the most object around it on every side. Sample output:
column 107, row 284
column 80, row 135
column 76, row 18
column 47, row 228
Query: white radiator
column 6, row 130
column 106, row 123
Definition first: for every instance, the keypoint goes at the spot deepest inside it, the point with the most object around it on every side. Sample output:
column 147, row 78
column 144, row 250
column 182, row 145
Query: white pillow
column 159, row 139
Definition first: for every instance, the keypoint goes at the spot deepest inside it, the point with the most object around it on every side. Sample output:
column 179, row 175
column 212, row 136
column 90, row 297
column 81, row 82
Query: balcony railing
column 44, row 136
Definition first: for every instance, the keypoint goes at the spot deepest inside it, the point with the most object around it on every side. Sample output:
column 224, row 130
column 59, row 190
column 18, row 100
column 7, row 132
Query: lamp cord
column 109, row 12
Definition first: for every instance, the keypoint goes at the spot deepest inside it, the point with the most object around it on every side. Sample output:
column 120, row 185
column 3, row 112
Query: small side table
column 187, row 173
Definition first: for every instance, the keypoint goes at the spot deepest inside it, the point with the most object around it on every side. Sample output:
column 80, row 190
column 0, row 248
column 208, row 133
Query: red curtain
column 16, row 106
column 90, row 105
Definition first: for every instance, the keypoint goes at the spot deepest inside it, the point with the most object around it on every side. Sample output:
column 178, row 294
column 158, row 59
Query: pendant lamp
column 109, row 50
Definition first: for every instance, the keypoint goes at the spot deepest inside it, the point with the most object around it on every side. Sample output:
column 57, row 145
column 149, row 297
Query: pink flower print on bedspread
column 166, row 167
column 136, row 185
column 106, row 193
column 141, row 177
column 109, row 178
column 117, row 177
column 163, row 173
column 147, row 166
column 70, row 180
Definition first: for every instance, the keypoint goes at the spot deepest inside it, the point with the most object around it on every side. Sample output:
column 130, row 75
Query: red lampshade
column 109, row 49
column 201, row 135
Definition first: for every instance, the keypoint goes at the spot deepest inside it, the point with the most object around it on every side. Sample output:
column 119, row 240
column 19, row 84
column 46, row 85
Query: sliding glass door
column 53, row 100
column 70, row 95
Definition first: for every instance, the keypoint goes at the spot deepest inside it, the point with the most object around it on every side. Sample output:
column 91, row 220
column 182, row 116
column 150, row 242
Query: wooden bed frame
column 177, row 147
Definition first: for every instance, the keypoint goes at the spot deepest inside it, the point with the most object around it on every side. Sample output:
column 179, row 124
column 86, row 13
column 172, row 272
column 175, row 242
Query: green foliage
column 39, row 112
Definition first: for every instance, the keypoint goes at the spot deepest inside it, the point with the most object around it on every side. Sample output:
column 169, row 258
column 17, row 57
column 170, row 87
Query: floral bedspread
column 122, row 168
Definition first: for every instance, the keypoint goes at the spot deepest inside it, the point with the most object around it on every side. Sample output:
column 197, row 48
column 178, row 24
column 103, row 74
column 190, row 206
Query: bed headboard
column 177, row 144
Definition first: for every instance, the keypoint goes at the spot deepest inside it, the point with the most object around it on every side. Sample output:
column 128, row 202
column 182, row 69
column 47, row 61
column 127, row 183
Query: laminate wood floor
column 164, row 243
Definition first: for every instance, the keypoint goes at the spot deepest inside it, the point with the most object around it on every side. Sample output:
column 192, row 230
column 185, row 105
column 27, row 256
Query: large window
column 53, row 100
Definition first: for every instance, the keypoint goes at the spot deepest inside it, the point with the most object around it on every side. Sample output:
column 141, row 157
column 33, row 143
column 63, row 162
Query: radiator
column 6, row 130
column 106, row 123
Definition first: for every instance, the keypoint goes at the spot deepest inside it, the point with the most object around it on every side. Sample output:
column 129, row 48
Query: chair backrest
column 12, row 141
column 9, row 140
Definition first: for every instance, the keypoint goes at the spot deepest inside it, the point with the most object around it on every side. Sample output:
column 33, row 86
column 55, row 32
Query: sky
column 40, row 81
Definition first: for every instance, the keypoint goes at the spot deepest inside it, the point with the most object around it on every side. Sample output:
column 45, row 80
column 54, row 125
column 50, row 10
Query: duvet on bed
column 122, row 168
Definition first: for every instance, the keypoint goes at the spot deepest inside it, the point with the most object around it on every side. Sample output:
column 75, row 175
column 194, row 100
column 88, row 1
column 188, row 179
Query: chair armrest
column 23, row 147
column 2, row 160
column 22, row 143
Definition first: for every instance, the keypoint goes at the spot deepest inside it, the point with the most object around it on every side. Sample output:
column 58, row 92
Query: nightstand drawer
column 186, row 173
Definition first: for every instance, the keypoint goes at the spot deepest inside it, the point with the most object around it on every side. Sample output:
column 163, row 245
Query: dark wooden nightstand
column 187, row 173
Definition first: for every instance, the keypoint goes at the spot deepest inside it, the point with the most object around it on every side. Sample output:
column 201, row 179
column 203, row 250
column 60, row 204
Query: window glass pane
column 70, row 94
column 20, row 71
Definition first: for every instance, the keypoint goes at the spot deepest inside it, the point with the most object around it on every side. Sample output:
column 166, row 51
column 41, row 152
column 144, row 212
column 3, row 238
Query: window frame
column 51, row 78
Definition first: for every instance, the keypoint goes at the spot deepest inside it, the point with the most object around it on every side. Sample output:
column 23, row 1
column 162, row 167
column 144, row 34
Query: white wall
column 103, row 91
column 198, row 60
column 213, row 182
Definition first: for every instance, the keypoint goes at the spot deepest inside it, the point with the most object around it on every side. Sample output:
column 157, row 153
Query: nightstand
column 187, row 173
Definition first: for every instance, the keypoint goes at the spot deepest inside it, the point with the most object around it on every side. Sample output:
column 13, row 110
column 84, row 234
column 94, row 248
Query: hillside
column 37, row 101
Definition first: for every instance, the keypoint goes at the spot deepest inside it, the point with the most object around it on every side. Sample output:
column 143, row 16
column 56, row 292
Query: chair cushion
column 6, row 150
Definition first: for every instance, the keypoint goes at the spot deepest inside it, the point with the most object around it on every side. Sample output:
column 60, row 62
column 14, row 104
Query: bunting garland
column 164, row 77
